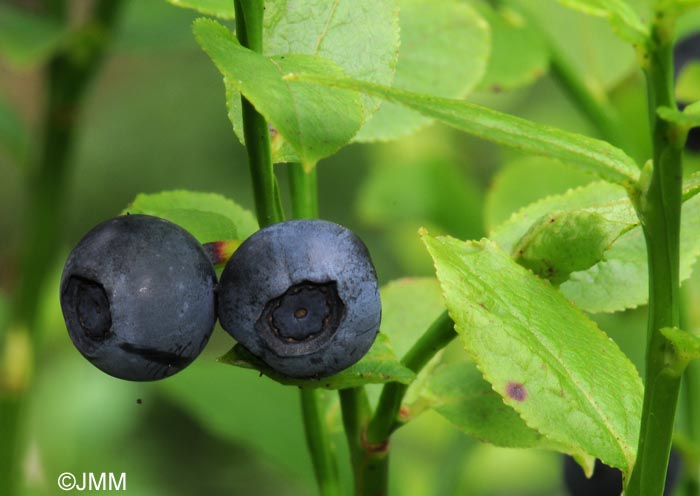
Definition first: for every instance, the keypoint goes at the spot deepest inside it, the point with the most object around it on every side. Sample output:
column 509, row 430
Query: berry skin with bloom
column 138, row 297
column 303, row 297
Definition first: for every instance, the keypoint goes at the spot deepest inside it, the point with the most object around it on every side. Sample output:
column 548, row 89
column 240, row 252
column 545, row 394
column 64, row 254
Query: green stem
column 690, row 321
column 356, row 412
column 303, row 188
column 375, row 466
column 660, row 212
column 249, row 30
column 385, row 419
column 268, row 205
column 68, row 75
column 305, row 205
column 318, row 443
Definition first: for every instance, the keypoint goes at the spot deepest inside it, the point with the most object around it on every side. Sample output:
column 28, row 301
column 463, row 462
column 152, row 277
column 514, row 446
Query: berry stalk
column 268, row 206
column 373, row 464
column 249, row 30
column 304, row 195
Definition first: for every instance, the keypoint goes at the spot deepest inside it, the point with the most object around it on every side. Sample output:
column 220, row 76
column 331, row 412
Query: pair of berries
column 140, row 297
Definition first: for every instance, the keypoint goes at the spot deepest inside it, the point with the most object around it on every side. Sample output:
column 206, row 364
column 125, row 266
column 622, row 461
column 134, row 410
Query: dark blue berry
column 303, row 297
column 138, row 298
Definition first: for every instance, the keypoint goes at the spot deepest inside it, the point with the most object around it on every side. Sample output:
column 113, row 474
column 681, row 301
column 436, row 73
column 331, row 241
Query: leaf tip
column 200, row 24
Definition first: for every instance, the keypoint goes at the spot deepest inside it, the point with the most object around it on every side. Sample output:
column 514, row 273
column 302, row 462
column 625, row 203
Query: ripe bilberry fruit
column 303, row 297
column 137, row 295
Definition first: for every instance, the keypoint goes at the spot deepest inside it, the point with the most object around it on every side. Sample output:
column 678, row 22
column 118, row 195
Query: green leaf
column 536, row 350
column 519, row 53
column 689, row 117
column 458, row 392
column 594, row 194
column 28, row 39
column 567, row 241
column 686, row 347
column 691, row 186
column 315, row 123
column 622, row 17
column 599, row 157
column 682, row 122
column 378, row 366
column 620, row 281
column 207, row 216
column 688, row 83
column 409, row 306
column 329, row 30
column 433, row 36
column 526, row 180
column 14, row 137
column 338, row 31
column 223, row 9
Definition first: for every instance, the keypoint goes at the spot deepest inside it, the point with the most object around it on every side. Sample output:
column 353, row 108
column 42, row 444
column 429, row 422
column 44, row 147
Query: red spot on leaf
column 516, row 391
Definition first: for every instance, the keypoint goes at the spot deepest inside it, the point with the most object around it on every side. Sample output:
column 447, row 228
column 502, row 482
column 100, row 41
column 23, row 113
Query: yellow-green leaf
column 207, row 216
column 536, row 350
column 596, row 156
column 315, row 123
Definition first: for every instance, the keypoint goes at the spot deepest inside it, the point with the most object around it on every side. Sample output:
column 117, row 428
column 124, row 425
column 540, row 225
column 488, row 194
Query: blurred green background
column 155, row 119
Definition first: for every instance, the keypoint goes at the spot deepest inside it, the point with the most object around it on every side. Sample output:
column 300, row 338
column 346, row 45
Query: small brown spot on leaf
column 516, row 391
column 404, row 412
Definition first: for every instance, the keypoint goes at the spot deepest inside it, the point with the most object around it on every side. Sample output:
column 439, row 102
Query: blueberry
column 685, row 52
column 607, row 481
column 303, row 297
column 138, row 297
